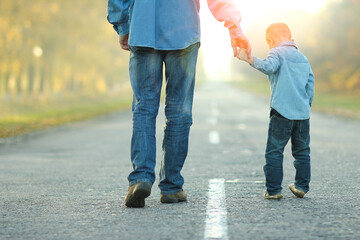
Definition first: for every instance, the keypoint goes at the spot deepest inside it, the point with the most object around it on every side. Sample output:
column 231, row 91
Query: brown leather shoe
column 174, row 198
column 137, row 193
column 296, row 192
column 276, row 196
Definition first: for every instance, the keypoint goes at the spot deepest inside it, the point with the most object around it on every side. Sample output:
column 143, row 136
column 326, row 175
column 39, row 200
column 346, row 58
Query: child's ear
column 269, row 41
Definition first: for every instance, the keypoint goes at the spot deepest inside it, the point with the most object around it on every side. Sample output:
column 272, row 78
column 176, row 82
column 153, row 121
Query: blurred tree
column 329, row 39
column 335, row 46
column 57, row 47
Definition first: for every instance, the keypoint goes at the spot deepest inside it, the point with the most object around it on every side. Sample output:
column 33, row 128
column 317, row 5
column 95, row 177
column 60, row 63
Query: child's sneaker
column 276, row 196
column 296, row 191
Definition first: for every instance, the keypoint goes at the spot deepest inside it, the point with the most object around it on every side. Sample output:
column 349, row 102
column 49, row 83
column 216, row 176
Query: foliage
column 329, row 39
column 26, row 116
column 335, row 48
column 56, row 48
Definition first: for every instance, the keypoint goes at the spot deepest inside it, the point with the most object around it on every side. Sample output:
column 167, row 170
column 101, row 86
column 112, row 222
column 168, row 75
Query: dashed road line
column 216, row 215
column 214, row 137
column 215, row 112
column 212, row 121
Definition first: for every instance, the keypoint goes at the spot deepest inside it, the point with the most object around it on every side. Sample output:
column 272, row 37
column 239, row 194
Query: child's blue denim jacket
column 291, row 80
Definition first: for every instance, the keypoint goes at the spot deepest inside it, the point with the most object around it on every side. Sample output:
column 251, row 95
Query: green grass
column 342, row 104
column 347, row 105
column 22, row 117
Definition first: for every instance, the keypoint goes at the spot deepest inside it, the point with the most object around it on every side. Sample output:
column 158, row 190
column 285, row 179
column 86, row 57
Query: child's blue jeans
column 280, row 131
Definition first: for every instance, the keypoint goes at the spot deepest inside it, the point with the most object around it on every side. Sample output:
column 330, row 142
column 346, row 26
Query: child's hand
column 243, row 55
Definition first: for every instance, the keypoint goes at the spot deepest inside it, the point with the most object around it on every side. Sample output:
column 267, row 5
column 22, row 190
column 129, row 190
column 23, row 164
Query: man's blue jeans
column 146, row 76
column 280, row 131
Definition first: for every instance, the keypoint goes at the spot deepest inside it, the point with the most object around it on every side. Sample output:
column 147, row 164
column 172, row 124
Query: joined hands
column 244, row 55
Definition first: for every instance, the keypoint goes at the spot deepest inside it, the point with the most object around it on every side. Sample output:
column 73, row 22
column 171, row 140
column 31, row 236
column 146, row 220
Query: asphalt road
column 69, row 182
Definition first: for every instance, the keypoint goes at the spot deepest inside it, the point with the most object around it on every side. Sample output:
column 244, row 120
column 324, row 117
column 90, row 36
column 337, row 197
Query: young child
column 292, row 90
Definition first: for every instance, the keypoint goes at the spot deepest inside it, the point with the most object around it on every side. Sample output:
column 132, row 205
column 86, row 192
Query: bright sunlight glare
column 215, row 41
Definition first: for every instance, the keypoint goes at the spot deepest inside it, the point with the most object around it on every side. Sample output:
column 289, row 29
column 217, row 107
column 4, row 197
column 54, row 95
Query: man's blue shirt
column 291, row 80
column 176, row 27
column 168, row 24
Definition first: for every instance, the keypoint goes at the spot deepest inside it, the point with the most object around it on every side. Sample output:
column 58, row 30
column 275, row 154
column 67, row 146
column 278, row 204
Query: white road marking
column 212, row 121
column 214, row 137
column 244, row 181
column 246, row 152
column 216, row 220
column 215, row 112
column 214, row 104
column 241, row 126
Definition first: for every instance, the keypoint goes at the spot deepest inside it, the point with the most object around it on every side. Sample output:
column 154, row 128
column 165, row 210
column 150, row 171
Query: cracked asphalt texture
column 70, row 182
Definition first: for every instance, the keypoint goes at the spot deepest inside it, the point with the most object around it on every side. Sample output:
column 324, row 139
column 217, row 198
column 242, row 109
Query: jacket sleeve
column 310, row 87
column 269, row 65
column 226, row 11
column 118, row 15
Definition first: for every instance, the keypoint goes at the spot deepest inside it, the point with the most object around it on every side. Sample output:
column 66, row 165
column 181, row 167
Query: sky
column 215, row 42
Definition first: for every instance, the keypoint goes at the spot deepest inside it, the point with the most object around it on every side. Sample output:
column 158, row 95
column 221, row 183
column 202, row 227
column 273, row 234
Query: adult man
column 159, row 32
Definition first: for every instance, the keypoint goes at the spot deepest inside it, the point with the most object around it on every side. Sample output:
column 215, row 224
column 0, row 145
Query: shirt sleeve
column 227, row 12
column 269, row 65
column 310, row 87
column 118, row 15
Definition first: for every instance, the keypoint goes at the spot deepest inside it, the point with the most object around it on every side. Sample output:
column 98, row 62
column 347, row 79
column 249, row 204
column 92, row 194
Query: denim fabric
column 280, row 131
column 146, row 76
column 159, row 24
column 168, row 24
column 291, row 80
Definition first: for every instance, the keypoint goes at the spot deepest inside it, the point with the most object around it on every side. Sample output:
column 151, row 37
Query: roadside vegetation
column 23, row 117
column 332, row 48
column 60, row 61
column 341, row 104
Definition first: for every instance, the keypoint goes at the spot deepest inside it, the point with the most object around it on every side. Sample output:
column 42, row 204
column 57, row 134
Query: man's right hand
column 242, row 43
column 124, row 42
